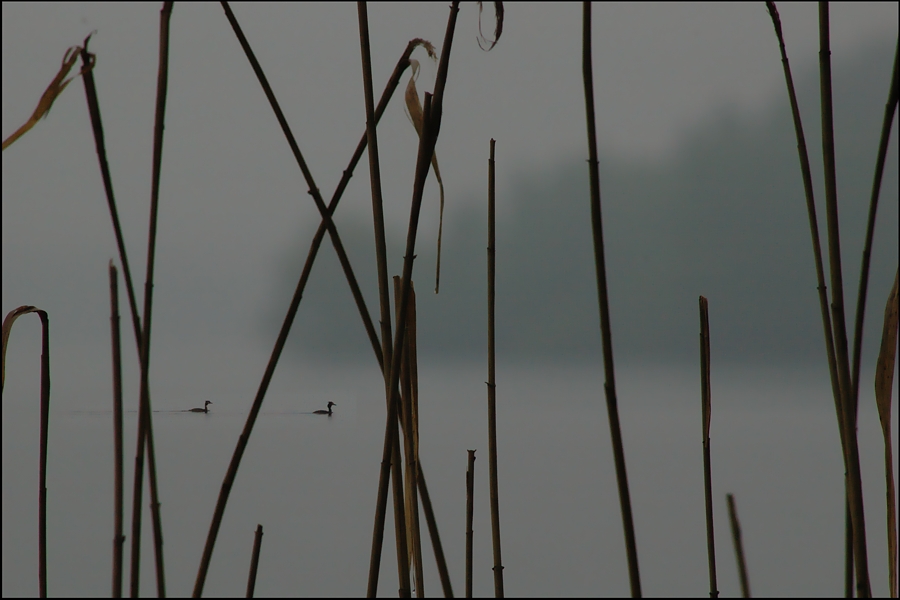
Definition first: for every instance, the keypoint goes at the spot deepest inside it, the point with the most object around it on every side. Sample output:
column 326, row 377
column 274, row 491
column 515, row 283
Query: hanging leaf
column 498, row 26
column 417, row 116
column 55, row 88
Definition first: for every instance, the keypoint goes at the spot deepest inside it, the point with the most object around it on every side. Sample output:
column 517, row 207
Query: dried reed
column 738, row 546
column 45, row 423
column 432, row 122
column 118, row 538
column 603, row 300
column 254, row 561
column 492, row 385
column 470, row 510
column 707, row 468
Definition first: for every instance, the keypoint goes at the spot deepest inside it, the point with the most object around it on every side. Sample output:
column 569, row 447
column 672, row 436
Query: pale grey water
column 311, row 481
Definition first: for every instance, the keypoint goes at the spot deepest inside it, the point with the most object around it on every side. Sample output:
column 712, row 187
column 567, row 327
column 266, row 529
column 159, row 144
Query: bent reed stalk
column 603, row 301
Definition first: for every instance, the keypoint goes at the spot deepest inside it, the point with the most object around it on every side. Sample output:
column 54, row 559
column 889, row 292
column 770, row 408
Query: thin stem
column 254, row 561
column 436, row 546
column 430, row 129
column 492, row 386
column 738, row 546
column 837, row 310
column 315, row 244
column 707, row 467
column 470, row 510
column 118, row 538
column 603, row 300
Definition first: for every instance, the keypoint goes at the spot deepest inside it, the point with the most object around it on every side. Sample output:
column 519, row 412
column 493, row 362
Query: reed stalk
column 313, row 189
column 436, row 546
column 118, row 538
column 603, row 300
column 400, row 514
column 738, row 546
column 470, row 510
column 410, row 424
column 97, row 126
column 254, row 560
column 430, row 130
column 851, row 450
column 90, row 91
column 884, row 379
column 886, row 123
column 707, row 468
column 45, row 426
column 145, row 427
column 827, row 329
column 230, row 475
column 492, row 384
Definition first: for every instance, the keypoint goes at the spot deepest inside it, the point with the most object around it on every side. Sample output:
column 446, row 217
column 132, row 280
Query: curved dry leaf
column 55, row 88
column 498, row 26
column 7, row 327
column 416, row 115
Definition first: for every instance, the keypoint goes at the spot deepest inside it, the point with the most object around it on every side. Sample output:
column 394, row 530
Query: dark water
column 311, row 482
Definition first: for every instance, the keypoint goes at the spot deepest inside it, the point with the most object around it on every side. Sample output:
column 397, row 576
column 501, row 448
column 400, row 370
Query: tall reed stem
column 254, row 561
column 45, row 422
column 227, row 483
column 603, row 300
column 400, row 529
column 430, row 130
column 118, row 538
column 470, row 510
column 738, row 546
column 145, row 424
column 492, row 386
column 707, row 468
column 851, row 449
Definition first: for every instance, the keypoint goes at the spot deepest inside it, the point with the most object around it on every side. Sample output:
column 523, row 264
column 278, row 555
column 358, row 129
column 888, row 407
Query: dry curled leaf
column 7, row 327
column 498, row 26
column 55, row 88
column 416, row 115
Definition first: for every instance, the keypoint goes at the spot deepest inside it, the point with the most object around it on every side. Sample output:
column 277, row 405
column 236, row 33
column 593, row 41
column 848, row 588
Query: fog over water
column 311, row 482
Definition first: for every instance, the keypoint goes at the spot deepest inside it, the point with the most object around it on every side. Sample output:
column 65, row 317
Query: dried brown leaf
column 498, row 26
column 7, row 327
column 55, row 88
column 416, row 115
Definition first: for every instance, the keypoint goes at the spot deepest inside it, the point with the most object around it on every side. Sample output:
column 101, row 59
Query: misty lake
column 311, row 481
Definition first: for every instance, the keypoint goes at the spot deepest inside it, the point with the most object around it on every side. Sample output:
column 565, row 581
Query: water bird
column 205, row 408
column 325, row 412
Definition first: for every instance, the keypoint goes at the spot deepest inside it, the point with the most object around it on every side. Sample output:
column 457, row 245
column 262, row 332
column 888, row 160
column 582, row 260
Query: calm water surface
column 311, row 482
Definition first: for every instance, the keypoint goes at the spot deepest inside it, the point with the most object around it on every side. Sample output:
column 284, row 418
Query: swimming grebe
column 205, row 408
column 325, row 412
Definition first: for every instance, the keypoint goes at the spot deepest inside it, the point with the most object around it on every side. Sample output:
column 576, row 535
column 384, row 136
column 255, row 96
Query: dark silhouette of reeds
column 144, row 434
column 45, row 425
column 492, row 384
column 851, row 449
column 400, row 519
column 470, row 510
column 145, row 427
column 410, row 424
column 822, row 288
column 603, row 301
column 254, row 561
column 118, row 538
column 430, row 130
column 707, row 468
column 884, row 379
column 298, row 292
column 738, row 546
